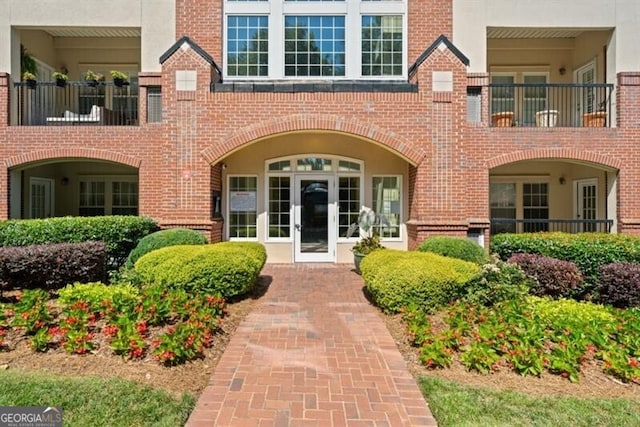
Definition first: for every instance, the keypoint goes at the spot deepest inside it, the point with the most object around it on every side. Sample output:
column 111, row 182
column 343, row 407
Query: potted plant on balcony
column 92, row 78
column 30, row 79
column 597, row 119
column 367, row 220
column 119, row 78
column 60, row 78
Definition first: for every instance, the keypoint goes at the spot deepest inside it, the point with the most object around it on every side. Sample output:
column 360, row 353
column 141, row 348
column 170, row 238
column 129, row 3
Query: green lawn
column 457, row 405
column 92, row 401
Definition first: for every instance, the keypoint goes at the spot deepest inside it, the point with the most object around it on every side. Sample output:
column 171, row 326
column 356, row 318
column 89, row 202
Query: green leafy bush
column 396, row 279
column 497, row 281
column 95, row 293
column 119, row 233
column 162, row 239
column 531, row 336
column 226, row 269
column 619, row 284
column 51, row 266
column 587, row 250
column 551, row 277
column 455, row 247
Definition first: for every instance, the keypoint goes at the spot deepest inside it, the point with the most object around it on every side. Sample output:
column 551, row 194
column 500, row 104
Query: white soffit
column 88, row 31
column 537, row 33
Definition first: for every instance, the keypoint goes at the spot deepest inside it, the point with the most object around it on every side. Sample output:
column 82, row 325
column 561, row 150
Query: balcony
column 77, row 103
column 550, row 104
column 510, row 225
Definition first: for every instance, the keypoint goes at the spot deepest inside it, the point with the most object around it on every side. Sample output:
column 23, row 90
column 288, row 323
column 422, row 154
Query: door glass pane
column 535, row 207
column 314, row 215
column 535, row 98
column 502, row 198
column 38, row 200
column 589, row 199
column 279, row 206
column 502, row 97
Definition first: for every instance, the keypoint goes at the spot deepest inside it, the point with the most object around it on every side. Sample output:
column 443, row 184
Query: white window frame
column 353, row 11
column 228, row 207
column 400, row 202
column 108, row 188
column 519, row 181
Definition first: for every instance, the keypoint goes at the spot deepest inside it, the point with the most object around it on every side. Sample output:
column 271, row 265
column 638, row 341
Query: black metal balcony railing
column 510, row 225
column 76, row 103
column 550, row 105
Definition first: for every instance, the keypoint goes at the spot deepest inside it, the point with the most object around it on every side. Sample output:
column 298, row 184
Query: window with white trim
column 247, row 45
column 386, row 200
column 318, row 39
column 382, row 45
column 106, row 195
column 243, row 207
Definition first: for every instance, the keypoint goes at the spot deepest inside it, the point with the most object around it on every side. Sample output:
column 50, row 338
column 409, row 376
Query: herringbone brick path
column 313, row 352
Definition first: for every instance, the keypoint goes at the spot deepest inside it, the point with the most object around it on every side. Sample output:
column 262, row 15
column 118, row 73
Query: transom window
column 315, row 39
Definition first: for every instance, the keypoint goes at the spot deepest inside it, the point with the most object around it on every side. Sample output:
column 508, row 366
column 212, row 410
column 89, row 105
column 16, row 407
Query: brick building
column 278, row 120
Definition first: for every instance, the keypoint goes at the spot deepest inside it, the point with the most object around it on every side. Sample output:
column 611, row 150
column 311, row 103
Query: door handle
column 298, row 227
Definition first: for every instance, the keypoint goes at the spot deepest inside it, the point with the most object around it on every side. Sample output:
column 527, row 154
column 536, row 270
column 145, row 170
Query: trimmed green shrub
column 551, row 277
column 455, row 247
column 119, row 233
column 587, row 250
column 396, row 279
column 162, row 239
column 497, row 281
column 619, row 284
column 51, row 266
column 226, row 269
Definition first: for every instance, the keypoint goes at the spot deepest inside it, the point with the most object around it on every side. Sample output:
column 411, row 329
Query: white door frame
column 330, row 254
column 578, row 204
column 48, row 207
column 579, row 74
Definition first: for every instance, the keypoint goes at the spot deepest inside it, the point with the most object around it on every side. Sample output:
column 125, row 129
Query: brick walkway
column 313, row 352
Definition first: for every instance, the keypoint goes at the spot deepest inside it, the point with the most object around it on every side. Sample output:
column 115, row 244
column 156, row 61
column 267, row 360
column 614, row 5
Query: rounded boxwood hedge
column 396, row 279
column 455, row 247
column 162, row 239
column 226, row 269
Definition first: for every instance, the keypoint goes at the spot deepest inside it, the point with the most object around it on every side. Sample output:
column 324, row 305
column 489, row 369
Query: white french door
column 586, row 99
column 41, row 197
column 314, row 218
column 586, row 197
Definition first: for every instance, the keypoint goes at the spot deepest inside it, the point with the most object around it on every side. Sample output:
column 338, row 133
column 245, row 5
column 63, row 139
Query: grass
column 457, row 405
column 93, row 401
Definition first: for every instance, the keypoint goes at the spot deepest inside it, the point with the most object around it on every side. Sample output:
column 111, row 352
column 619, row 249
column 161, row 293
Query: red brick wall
column 449, row 159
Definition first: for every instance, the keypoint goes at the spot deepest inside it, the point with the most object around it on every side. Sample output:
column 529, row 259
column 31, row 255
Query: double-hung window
column 315, row 39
